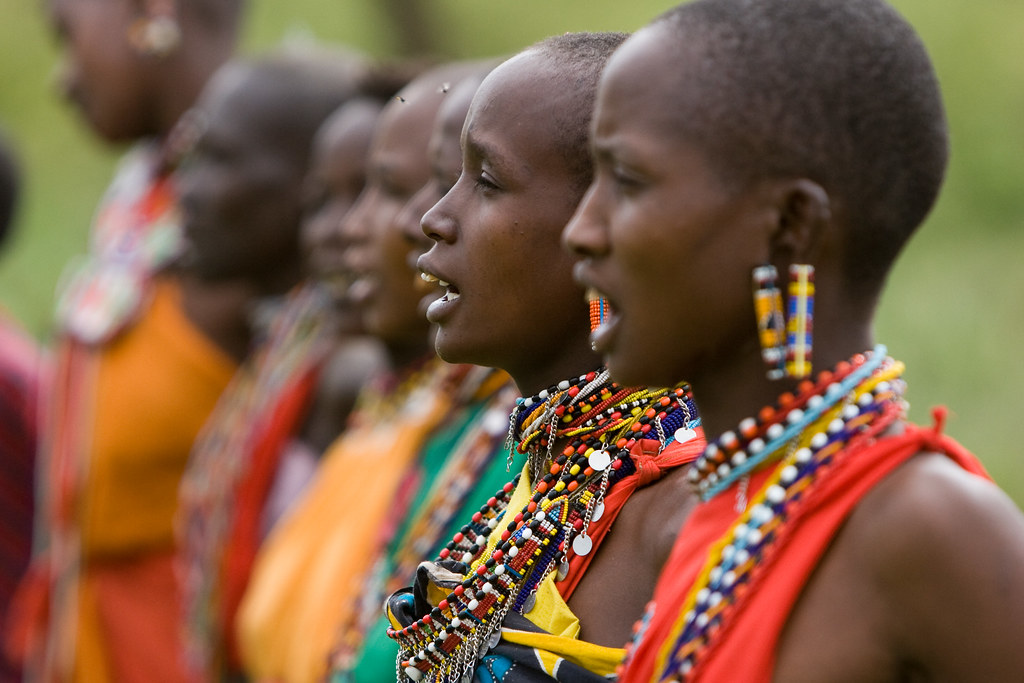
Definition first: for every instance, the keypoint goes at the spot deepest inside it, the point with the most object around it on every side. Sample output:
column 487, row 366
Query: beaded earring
column 156, row 35
column 770, row 320
column 800, row 322
column 599, row 309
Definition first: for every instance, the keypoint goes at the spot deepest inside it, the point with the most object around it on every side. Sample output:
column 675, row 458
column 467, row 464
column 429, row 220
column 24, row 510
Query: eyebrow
column 479, row 149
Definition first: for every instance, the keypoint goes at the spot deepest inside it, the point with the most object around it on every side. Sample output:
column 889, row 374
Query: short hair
column 10, row 186
column 578, row 60
column 842, row 93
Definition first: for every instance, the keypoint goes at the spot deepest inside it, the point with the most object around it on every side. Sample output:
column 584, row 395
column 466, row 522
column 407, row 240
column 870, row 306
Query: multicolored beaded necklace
column 804, row 435
column 594, row 422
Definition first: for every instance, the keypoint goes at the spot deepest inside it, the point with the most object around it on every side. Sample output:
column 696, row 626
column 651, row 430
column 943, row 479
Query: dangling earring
column 771, row 325
column 598, row 309
column 155, row 36
column 800, row 321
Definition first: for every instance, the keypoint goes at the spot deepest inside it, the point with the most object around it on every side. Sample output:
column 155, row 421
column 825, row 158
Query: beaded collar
column 594, row 422
column 804, row 435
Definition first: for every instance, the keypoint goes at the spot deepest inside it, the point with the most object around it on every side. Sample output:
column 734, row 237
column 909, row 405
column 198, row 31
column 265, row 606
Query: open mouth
column 451, row 292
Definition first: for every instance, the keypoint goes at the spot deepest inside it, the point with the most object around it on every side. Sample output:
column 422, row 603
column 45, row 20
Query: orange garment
column 137, row 403
column 744, row 648
column 317, row 557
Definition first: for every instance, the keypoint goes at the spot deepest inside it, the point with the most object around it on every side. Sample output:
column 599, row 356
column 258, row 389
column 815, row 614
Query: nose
column 353, row 227
column 586, row 233
column 439, row 223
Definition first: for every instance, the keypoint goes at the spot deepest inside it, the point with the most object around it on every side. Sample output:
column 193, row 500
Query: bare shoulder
column 945, row 550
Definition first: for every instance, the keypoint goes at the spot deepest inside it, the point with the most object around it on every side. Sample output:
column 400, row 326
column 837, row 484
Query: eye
column 625, row 179
column 485, row 181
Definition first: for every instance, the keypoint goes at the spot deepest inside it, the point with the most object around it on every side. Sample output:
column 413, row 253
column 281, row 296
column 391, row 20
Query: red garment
column 251, row 496
column 745, row 646
column 650, row 467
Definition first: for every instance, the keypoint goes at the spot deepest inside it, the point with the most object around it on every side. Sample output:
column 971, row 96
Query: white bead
column 686, row 667
column 741, row 557
column 715, row 575
column 513, row 551
column 754, row 537
column 712, row 479
column 729, row 578
column 456, row 622
column 882, row 387
column 850, row 411
column 711, row 451
column 527, row 534
column 421, row 655
column 775, row 431
column 480, row 541
column 563, row 385
column 738, row 458
column 740, row 532
column 499, row 570
column 804, row 455
column 795, row 416
column 693, row 475
column 726, row 438
column 413, row 673
column 492, row 522
column 703, row 620
column 775, row 494
column 760, row 514
column 723, row 470
column 543, row 394
column 788, row 475
column 865, row 400
column 746, row 424
column 431, row 648
column 689, row 617
column 702, row 596
column 835, row 426
column 728, row 552
column 819, row 440
column 715, row 598
column 755, row 446
column 487, row 587
column 473, row 604
column 815, row 402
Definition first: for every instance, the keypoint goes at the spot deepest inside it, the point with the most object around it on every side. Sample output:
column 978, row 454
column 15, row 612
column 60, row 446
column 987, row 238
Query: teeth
column 427, row 277
column 443, row 283
column 452, row 296
column 592, row 294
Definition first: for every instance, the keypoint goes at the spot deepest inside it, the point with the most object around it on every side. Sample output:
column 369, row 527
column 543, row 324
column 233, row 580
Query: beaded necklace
column 598, row 422
column 804, row 435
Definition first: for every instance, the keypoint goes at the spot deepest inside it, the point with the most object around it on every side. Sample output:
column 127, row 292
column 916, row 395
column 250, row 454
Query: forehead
column 644, row 82
column 519, row 110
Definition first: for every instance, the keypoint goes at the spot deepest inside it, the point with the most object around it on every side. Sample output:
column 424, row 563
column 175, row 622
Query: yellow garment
column 155, row 385
column 316, row 558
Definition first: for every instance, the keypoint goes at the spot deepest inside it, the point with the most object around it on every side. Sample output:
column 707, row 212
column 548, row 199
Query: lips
column 440, row 308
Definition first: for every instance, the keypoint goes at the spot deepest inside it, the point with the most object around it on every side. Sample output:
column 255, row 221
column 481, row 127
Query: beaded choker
column 806, row 434
column 578, row 435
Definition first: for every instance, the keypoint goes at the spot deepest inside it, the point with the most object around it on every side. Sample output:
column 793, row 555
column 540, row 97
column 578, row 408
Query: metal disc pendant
column 495, row 638
column 563, row 570
column 530, row 603
column 684, row 434
column 582, row 545
column 600, row 460
column 598, row 512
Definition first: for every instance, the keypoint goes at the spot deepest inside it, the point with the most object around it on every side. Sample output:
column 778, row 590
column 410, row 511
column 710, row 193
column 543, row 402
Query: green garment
column 377, row 660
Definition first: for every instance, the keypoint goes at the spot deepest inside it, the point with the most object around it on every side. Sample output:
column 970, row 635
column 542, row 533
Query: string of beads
column 577, row 434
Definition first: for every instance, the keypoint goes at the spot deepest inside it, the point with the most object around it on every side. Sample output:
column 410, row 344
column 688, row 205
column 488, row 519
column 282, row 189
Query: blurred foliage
column 954, row 310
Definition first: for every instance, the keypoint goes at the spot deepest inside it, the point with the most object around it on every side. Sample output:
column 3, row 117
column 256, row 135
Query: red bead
column 498, row 554
column 591, row 376
column 458, row 538
column 508, row 487
column 444, row 553
column 492, row 502
column 477, row 517
column 459, row 590
column 481, row 570
column 443, row 604
column 506, row 534
column 573, row 391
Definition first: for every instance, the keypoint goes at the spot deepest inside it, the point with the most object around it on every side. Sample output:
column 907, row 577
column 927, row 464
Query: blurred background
column 954, row 310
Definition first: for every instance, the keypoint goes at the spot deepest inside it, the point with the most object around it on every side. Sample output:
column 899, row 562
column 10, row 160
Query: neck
column 220, row 310
column 576, row 359
column 729, row 389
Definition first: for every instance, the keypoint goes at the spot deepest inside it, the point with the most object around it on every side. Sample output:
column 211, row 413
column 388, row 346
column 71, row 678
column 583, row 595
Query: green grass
column 954, row 310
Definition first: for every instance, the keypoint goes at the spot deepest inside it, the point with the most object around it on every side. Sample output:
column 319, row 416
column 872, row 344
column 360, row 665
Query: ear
column 803, row 213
